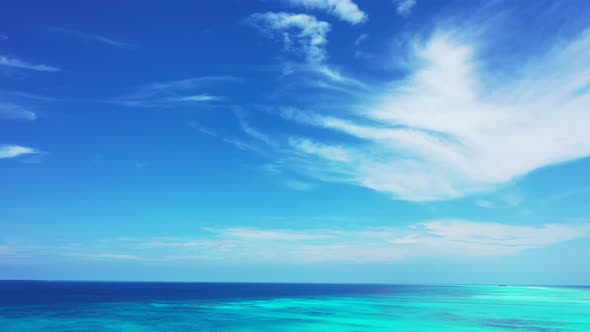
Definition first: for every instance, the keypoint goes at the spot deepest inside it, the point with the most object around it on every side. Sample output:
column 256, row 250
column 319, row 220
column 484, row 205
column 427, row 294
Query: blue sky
column 296, row 140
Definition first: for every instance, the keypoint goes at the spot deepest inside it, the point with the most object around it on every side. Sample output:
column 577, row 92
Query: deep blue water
column 64, row 292
column 19, row 292
column 161, row 306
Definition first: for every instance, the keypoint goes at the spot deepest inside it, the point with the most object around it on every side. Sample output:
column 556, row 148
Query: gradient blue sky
column 296, row 140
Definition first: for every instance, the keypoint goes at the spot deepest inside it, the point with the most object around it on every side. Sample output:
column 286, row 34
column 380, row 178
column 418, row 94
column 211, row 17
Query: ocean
column 160, row 306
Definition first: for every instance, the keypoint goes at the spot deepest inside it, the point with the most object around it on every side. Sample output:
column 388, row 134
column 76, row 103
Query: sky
column 405, row 141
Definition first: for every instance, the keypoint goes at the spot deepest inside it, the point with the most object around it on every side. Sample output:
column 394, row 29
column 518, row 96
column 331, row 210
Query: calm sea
column 143, row 306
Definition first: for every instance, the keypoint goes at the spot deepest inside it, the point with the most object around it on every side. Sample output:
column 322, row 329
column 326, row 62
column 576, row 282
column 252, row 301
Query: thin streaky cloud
column 14, row 151
column 16, row 63
column 252, row 132
column 10, row 94
column 189, row 83
column 91, row 37
column 34, row 158
column 434, row 238
column 170, row 93
column 231, row 140
column 425, row 239
column 107, row 256
column 197, row 126
column 14, row 112
column 268, row 235
column 196, row 98
column 319, row 75
column 299, row 185
column 174, row 243
column 485, row 203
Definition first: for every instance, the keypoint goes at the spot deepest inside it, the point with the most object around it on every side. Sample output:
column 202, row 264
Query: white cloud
column 172, row 243
column 188, row 83
column 304, row 36
column 404, row 7
column 235, row 142
column 345, row 10
column 362, row 37
column 197, row 126
column 258, row 142
column 335, row 153
column 253, row 132
column 196, row 98
column 300, row 33
column 432, row 239
column 15, row 112
column 512, row 200
column 109, row 256
column 299, row 185
column 92, row 38
column 11, row 94
column 267, row 235
column 502, row 201
column 171, row 93
column 485, row 203
column 441, row 134
column 490, row 239
column 13, row 151
column 16, row 63
column 429, row 239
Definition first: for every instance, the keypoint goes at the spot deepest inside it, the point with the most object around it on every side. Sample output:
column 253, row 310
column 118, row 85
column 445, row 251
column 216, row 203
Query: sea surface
column 146, row 306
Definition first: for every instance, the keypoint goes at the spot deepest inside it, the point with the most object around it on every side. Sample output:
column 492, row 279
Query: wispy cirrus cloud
column 91, row 37
column 195, row 98
column 171, row 93
column 435, row 238
column 500, row 201
column 238, row 143
column 304, row 36
column 21, row 95
column 404, row 7
column 267, row 234
column 450, row 128
column 19, row 64
column 14, row 151
column 254, row 133
column 298, row 185
column 190, row 83
column 11, row 111
column 484, row 203
column 107, row 256
column 428, row 239
column 345, row 10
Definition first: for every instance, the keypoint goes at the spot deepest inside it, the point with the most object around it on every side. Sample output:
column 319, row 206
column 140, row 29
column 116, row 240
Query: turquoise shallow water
column 395, row 308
